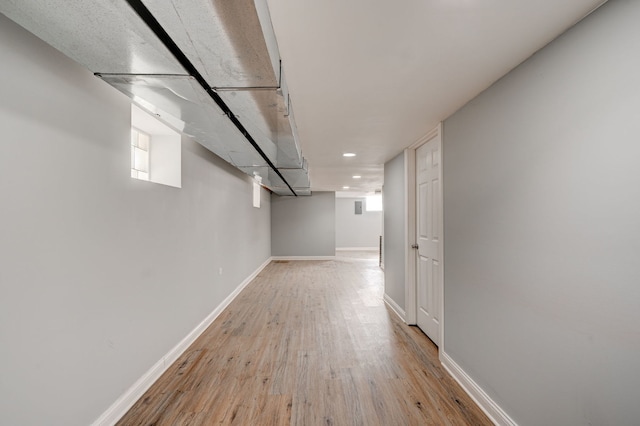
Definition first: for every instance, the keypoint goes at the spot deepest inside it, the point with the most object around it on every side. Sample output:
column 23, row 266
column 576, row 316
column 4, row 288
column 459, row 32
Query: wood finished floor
column 308, row 343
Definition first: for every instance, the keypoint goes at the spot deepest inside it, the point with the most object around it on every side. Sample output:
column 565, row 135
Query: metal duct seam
column 168, row 42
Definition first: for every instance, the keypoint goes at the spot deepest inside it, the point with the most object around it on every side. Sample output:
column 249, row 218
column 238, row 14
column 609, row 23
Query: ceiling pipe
column 168, row 42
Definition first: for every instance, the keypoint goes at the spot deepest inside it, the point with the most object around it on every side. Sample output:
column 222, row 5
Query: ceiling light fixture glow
column 345, row 187
column 356, row 176
column 349, row 154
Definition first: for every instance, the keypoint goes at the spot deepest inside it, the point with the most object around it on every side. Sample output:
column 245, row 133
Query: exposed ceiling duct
column 209, row 68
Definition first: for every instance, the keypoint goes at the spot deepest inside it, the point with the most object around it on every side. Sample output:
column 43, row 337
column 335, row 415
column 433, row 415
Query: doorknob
column 414, row 246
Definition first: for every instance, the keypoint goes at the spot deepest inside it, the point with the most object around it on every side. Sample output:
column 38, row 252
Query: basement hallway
column 309, row 343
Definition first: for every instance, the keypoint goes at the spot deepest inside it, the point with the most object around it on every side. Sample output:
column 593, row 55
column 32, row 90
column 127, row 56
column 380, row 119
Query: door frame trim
column 411, row 300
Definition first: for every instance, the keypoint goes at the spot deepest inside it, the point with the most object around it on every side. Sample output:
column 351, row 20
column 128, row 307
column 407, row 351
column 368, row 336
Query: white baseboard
column 394, row 306
column 303, row 257
column 120, row 407
column 497, row 415
column 357, row 248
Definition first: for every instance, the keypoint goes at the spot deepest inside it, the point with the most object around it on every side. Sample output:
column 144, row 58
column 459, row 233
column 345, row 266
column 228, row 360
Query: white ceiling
column 373, row 76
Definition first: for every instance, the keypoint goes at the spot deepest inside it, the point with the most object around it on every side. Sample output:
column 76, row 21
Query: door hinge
column 414, row 246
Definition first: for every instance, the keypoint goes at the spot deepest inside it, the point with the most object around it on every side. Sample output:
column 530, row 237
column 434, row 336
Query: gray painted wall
column 542, row 215
column 304, row 225
column 356, row 230
column 394, row 242
column 101, row 274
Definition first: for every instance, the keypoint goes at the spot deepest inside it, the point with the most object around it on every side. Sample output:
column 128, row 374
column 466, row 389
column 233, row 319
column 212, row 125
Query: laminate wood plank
column 308, row 343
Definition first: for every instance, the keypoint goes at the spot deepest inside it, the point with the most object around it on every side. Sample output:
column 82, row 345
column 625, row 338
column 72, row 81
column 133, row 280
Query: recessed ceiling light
column 345, row 187
column 349, row 154
column 357, row 176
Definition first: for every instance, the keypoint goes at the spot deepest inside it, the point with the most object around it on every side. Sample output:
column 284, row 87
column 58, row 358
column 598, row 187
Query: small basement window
column 374, row 203
column 156, row 150
column 257, row 180
column 139, row 154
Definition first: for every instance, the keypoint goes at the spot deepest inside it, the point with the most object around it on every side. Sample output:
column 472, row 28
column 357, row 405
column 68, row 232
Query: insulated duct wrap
column 232, row 46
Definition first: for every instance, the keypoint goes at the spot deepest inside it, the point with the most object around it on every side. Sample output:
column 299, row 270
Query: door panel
column 435, row 211
column 423, row 227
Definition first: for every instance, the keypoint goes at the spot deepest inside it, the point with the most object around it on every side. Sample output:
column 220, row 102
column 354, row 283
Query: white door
column 429, row 238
